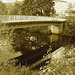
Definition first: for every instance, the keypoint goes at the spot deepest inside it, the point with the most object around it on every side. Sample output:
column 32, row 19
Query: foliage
column 2, row 8
column 17, row 8
column 70, row 22
column 29, row 7
column 70, row 28
column 38, row 7
column 6, row 69
column 63, row 66
column 5, row 43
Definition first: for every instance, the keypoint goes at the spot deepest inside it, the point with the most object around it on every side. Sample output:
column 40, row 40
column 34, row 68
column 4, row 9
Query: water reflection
column 62, row 40
column 25, row 41
column 53, row 38
column 55, row 41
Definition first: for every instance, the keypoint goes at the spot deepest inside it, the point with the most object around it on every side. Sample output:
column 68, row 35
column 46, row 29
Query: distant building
column 73, row 7
column 73, row 10
column 62, row 8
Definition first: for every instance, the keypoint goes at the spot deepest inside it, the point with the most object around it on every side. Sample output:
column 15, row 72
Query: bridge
column 56, row 25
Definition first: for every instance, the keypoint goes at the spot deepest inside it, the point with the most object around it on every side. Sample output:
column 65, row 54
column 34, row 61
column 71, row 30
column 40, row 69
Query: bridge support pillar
column 56, row 29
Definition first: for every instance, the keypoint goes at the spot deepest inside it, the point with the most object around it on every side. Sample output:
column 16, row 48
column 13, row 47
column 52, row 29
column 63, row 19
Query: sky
column 10, row 1
column 71, row 1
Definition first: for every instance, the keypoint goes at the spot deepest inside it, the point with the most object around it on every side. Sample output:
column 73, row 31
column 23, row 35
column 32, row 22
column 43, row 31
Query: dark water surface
column 34, row 45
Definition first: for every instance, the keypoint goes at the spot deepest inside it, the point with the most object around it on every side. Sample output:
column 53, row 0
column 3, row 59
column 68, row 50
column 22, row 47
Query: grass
column 63, row 66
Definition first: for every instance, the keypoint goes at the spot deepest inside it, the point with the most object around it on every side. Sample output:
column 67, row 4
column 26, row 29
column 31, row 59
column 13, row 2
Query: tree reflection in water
column 26, row 40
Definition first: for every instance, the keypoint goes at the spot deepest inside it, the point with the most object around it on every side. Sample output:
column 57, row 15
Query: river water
column 25, row 41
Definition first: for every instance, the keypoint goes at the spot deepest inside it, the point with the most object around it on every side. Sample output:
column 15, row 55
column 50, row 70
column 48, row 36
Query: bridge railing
column 22, row 17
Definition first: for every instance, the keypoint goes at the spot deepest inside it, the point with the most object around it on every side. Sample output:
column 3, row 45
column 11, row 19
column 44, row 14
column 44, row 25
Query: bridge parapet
column 20, row 17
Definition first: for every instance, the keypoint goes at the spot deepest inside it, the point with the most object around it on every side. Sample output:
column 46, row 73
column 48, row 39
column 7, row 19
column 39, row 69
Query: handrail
column 22, row 17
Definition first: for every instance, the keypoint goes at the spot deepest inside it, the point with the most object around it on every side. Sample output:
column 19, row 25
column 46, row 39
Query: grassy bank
column 63, row 66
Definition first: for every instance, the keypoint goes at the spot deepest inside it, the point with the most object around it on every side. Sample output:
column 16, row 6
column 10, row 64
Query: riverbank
column 65, row 65
column 62, row 66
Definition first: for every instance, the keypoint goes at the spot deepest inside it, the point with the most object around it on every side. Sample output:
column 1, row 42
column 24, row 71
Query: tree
column 38, row 7
column 2, row 8
column 14, row 8
column 70, row 21
column 17, row 8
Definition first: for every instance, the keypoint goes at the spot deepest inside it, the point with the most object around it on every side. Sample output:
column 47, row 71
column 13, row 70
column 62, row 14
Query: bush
column 70, row 28
column 6, row 69
column 5, row 42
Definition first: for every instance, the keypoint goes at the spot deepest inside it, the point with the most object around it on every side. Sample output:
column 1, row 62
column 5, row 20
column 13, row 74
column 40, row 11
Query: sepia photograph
column 37, row 37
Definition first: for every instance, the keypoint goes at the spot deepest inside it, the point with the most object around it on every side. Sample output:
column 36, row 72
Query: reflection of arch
column 53, row 38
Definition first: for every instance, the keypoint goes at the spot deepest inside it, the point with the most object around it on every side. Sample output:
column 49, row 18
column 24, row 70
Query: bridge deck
column 31, row 23
column 50, row 20
column 42, row 20
column 22, row 17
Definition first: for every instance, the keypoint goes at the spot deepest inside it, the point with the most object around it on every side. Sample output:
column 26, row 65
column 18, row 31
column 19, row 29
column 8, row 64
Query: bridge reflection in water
column 62, row 40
